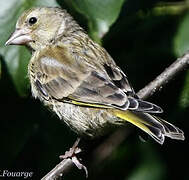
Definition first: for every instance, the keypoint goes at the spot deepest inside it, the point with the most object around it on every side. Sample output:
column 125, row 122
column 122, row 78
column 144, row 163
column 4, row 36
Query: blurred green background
column 143, row 37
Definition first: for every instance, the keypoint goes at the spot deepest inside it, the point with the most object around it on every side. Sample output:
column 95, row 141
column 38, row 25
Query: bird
column 78, row 79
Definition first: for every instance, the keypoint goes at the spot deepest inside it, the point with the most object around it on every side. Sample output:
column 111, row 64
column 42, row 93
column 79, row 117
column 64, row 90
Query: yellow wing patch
column 79, row 103
column 132, row 118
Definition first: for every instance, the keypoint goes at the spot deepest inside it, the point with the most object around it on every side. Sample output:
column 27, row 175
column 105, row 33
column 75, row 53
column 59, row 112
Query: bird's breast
column 91, row 122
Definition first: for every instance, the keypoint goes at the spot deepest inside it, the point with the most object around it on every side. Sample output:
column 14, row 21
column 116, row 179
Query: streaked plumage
column 79, row 80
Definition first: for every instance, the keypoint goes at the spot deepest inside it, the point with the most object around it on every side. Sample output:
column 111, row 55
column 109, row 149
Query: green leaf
column 150, row 167
column 100, row 14
column 16, row 58
column 0, row 66
column 184, row 97
column 181, row 40
column 181, row 46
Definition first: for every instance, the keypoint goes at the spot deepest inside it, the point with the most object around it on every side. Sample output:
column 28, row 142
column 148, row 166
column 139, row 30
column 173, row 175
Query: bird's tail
column 157, row 128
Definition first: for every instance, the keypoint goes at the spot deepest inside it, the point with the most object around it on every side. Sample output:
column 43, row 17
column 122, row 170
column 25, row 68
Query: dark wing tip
column 172, row 131
column 143, row 106
column 159, row 128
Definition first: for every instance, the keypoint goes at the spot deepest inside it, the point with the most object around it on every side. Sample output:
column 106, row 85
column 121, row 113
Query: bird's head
column 38, row 27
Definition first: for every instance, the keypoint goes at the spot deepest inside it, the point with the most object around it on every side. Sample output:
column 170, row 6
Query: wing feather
column 58, row 80
column 62, row 74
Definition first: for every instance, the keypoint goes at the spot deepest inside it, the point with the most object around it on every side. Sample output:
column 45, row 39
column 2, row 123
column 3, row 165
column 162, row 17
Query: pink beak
column 19, row 37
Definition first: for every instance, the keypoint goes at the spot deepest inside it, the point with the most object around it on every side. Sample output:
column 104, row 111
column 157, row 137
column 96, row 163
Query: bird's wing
column 69, row 77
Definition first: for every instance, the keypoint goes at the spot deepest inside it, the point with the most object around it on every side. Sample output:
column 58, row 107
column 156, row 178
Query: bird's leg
column 72, row 154
column 72, row 151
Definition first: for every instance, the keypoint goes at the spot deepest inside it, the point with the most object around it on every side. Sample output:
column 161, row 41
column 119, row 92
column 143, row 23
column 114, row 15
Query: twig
column 58, row 171
column 104, row 150
column 169, row 73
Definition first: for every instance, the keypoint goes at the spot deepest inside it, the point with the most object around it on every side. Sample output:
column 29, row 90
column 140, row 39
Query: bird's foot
column 72, row 154
column 72, row 151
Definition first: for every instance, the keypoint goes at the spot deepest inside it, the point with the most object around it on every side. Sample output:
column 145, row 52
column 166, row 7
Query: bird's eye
column 32, row 20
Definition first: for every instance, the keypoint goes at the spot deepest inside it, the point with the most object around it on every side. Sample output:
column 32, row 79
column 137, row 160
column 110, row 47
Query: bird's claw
column 79, row 165
column 72, row 154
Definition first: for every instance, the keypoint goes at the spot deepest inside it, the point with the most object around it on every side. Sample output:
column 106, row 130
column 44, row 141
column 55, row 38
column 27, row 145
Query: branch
column 105, row 149
column 58, row 171
column 160, row 81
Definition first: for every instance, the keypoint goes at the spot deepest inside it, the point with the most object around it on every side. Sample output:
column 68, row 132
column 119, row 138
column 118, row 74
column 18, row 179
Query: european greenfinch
column 78, row 80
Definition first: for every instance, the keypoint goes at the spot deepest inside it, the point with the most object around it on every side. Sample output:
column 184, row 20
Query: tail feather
column 171, row 130
column 157, row 128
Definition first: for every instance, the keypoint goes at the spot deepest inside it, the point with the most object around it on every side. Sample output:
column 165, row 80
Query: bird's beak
column 19, row 37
